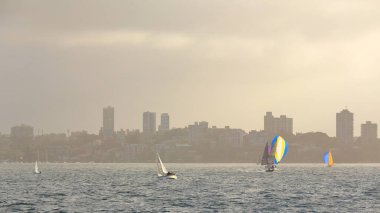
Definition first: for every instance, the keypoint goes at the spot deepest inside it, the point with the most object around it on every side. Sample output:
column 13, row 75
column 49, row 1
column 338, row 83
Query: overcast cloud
column 226, row 62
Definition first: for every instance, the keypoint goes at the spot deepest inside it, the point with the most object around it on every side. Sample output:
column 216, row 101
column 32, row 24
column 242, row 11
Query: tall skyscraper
column 149, row 122
column 165, row 122
column 369, row 131
column 278, row 125
column 268, row 122
column 108, row 122
column 345, row 126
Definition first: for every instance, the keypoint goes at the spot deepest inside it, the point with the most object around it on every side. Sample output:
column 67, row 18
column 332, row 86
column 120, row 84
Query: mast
column 46, row 156
column 264, row 159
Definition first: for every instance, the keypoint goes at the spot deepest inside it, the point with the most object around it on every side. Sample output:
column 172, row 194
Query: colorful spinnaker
column 279, row 148
column 328, row 159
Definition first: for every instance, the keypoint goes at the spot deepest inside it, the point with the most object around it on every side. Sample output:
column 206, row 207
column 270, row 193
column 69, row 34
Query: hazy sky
column 226, row 62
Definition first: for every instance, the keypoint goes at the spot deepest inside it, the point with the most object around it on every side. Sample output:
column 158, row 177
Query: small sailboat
column 328, row 159
column 162, row 171
column 36, row 171
column 277, row 151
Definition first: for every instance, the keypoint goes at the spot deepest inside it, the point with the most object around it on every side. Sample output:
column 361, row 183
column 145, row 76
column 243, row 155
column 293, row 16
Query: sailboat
column 162, row 171
column 36, row 171
column 267, row 159
column 276, row 152
column 328, row 159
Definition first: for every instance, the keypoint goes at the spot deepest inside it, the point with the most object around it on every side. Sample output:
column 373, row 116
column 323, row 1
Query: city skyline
column 198, row 142
column 277, row 125
column 57, row 71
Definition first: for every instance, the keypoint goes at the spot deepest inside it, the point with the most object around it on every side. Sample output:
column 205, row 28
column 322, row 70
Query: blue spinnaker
column 326, row 157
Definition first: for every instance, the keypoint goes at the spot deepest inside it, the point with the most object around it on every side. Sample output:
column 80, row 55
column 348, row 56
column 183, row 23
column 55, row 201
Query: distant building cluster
column 278, row 125
column 345, row 128
column 199, row 132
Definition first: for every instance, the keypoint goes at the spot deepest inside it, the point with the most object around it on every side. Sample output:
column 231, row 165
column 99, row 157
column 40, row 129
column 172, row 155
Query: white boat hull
column 172, row 177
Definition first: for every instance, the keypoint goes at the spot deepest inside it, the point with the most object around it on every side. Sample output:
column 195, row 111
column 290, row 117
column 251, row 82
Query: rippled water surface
column 200, row 187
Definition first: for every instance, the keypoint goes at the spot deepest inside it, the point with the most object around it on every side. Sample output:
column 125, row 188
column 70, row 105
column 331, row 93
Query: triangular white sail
column 159, row 170
column 36, row 168
column 161, row 166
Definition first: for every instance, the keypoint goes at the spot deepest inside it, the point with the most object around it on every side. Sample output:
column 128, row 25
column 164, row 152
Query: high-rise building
column 197, row 131
column 121, row 136
column 369, row 131
column 165, row 122
column 278, row 125
column 22, row 133
column 149, row 122
column 108, row 129
column 345, row 126
column 268, row 122
column 203, row 124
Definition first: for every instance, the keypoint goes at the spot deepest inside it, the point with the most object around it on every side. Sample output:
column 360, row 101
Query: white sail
column 159, row 170
column 161, row 165
column 36, row 168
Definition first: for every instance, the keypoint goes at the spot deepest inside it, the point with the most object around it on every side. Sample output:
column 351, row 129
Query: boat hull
column 270, row 168
column 168, row 176
column 174, row 177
